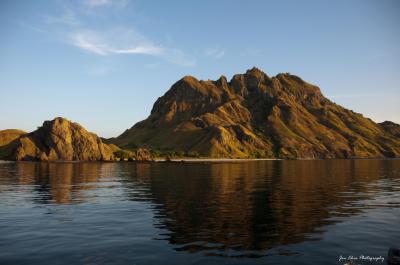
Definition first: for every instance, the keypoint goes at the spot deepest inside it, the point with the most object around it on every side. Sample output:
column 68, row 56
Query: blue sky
column 103, row 63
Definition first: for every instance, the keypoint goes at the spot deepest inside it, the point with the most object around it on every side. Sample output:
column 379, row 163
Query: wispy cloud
column 100, row 3
column 177, row 56
column 216, row 53
column 125, row 41
column 68, row 18
column 95, row 3
column 74, row 27
column 116, row 41
column 31, row 27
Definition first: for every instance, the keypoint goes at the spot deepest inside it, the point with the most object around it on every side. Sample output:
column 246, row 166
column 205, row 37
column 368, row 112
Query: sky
column 103, row 63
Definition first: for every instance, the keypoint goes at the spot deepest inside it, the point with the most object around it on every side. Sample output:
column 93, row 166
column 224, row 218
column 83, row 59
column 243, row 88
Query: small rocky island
column 61, row 139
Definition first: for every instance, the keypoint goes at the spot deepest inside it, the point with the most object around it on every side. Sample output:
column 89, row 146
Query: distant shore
column 199, row 160
column 213, row 159
column 156, row 160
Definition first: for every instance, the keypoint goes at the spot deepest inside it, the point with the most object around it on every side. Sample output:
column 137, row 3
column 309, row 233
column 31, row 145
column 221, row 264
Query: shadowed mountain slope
column 254, row 115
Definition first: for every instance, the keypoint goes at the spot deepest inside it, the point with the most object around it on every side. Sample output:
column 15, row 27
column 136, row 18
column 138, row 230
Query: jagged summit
column 256, row 72
column 254, row 115
column 252, row 78
column 189, row 79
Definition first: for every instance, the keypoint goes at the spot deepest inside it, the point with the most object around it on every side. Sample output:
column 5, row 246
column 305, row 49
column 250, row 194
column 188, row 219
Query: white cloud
column 152, row 50
column 216, row 53
column 97, row 2
column 76, row 31
column 100, row 3
column 117, row 41
column 126, row 41
column 88, row 41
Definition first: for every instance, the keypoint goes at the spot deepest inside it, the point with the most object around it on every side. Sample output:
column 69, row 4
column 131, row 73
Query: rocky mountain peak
column 257, row 115
column 256, row 72
column 59, row 139
column 221, row 81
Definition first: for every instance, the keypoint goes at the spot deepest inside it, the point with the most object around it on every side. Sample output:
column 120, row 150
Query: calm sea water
column 260, row 212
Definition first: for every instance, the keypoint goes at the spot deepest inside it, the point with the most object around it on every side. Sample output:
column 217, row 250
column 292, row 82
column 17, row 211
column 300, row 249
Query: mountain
column 255, row 115
column 58, row 139
column 9, row 135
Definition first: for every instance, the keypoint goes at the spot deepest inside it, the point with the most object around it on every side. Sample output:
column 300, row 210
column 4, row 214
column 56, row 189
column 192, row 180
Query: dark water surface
column 260, row 212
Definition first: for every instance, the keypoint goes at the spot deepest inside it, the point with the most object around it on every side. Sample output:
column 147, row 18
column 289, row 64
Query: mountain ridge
column 251, row 116
column 255, row 115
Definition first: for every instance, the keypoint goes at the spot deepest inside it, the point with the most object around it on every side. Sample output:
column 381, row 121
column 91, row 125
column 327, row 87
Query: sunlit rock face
column 9, row 135
column 254, row 115
column 58, row 139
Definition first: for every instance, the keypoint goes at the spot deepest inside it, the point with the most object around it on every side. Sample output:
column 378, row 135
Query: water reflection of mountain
column 59, row 183
column 256, row 206
column 218, row 208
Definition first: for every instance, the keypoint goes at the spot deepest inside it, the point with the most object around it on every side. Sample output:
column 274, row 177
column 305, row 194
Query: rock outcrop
column 142, row 155
column 9, row 135
column 391, row 127
column 138, row 155
column 58, row 139
column 8, row 141
column 255, row 115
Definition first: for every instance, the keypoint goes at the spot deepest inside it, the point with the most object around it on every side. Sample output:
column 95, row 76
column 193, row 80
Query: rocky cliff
column 58, row 139
column 255, row 115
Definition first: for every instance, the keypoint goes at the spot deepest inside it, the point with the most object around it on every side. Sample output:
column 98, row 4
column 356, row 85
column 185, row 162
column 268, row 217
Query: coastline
column 214, row 159
column 196, row 160
column 156, row 160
